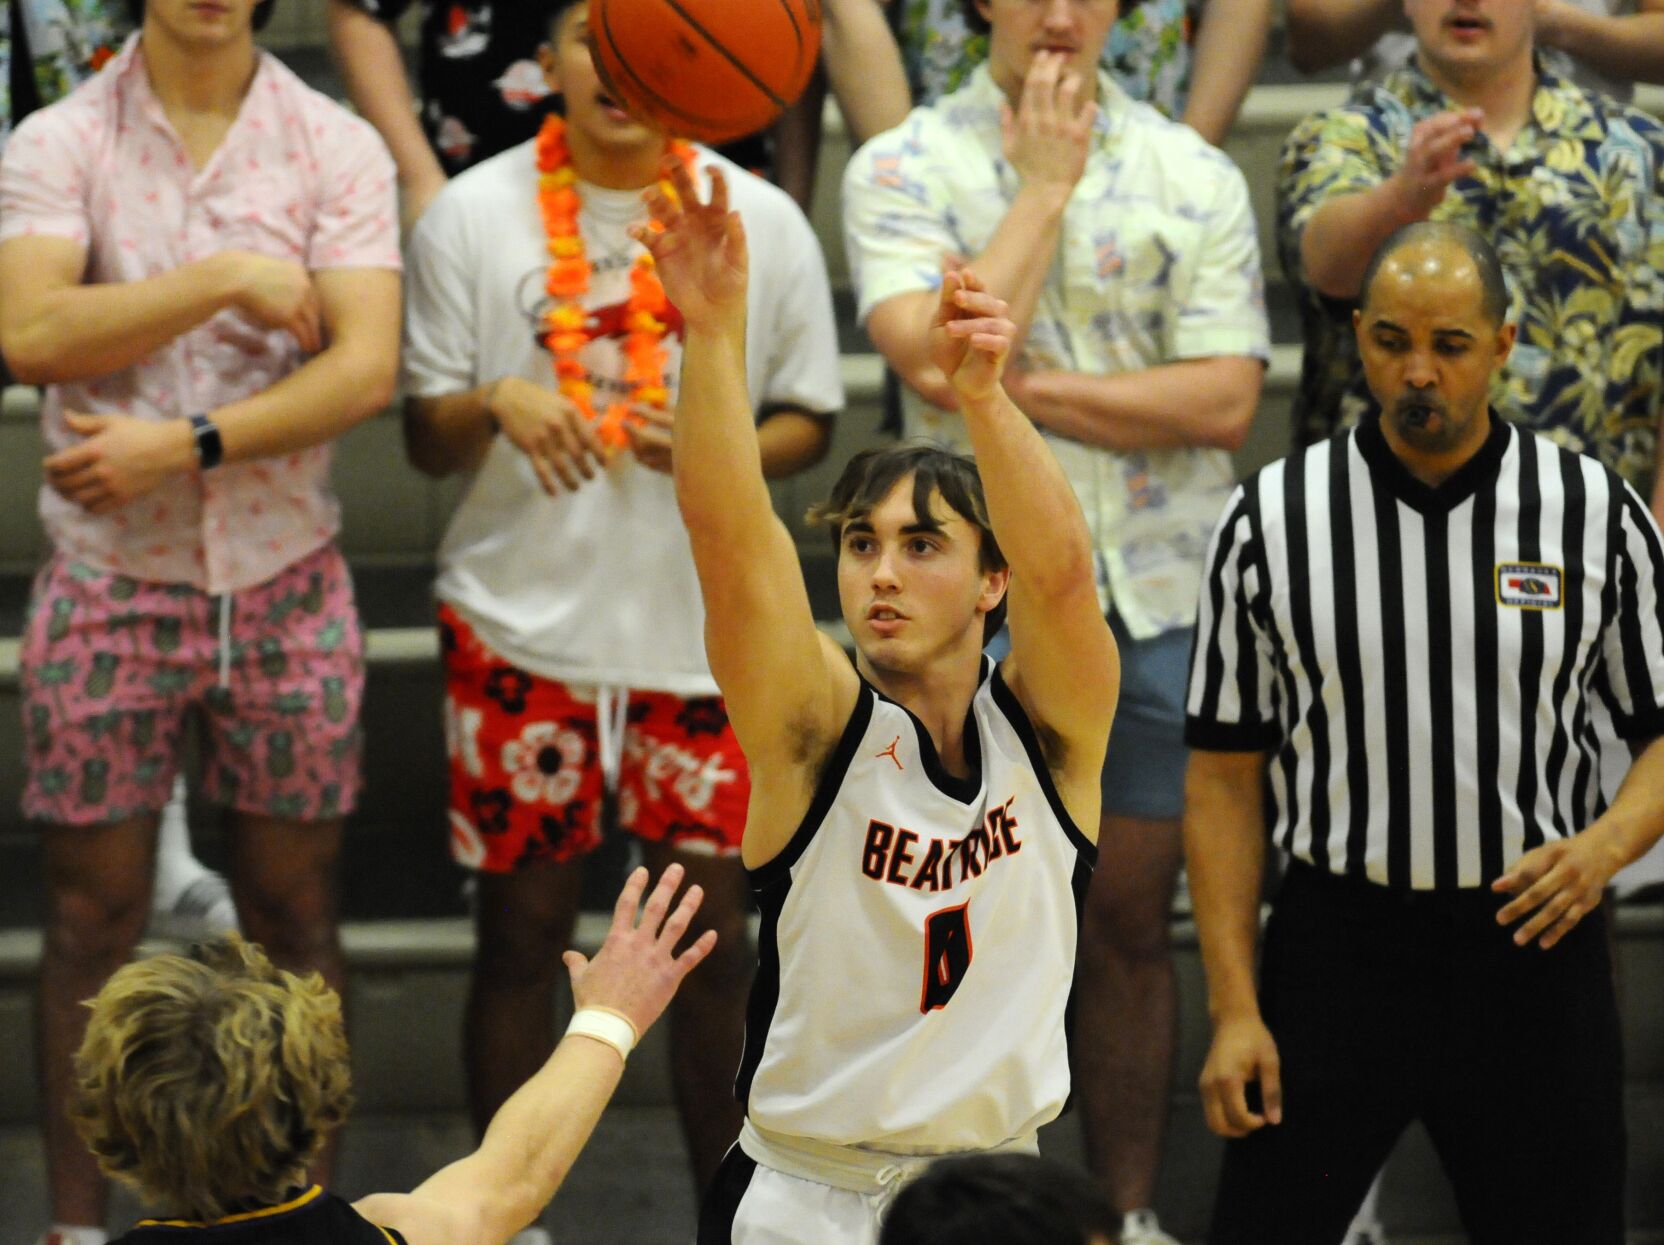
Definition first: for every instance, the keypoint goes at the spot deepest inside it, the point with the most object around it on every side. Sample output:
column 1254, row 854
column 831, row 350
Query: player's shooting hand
column 1047, row 139
column 549, row 430
column 971, row 336
column 1557, row 884
column 1434, row 159
column 637, row 970
column 1243, row 1052
column 650, row 439
column 698, row 247
column 120, row 459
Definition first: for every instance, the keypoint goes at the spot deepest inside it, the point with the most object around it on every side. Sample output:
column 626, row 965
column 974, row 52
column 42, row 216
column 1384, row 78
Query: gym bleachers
column 407, row 936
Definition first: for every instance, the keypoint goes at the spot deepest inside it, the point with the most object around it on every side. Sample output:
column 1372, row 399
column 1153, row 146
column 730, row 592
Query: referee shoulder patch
column 1528, row 585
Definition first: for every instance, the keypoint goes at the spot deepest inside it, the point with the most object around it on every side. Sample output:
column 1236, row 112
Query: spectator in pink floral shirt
column 199, row 259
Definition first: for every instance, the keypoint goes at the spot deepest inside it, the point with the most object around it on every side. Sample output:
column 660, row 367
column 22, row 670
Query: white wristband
column 605, row 1025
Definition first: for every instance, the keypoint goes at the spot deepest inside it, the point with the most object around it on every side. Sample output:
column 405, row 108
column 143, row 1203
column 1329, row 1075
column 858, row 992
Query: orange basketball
column 711, row 70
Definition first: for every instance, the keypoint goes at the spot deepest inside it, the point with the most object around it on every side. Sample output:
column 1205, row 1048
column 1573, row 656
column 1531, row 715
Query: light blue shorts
column 1144, row 772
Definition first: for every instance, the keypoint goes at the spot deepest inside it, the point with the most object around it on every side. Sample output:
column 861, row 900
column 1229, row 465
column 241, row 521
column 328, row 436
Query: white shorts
column 755, row 1205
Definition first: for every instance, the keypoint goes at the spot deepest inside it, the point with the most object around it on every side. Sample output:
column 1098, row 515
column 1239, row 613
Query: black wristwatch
column 209, row 448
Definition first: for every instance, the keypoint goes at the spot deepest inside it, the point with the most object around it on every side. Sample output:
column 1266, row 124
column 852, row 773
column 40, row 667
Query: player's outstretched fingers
column 629, row 901
column 676, row 924
column 658, row 903
column 697, row 951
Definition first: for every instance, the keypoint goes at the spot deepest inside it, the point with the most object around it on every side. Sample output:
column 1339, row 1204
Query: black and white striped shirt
column 1436, row 672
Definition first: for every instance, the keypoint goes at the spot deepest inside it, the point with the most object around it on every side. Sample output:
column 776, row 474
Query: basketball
column 711, row 70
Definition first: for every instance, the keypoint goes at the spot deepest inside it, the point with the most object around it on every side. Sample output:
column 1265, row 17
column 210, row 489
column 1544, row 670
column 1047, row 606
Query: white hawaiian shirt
column 1158, row 261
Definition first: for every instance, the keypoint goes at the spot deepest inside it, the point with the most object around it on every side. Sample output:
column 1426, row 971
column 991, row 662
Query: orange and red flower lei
column 566, row 327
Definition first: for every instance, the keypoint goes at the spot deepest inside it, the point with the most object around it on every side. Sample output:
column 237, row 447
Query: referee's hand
column 1243, row 1055
column 1559, row 884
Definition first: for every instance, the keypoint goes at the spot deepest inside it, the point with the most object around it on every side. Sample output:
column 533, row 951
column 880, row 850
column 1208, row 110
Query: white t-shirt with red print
column 597, row 585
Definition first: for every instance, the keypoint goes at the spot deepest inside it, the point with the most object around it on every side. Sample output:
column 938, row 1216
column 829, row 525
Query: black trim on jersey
column 1079, row 881
column 313, row 1217
column 772, row 882
column 764, row 999
column 1008, row 704
column 965, row 790
column 720, row 1204
column 826, row 791
column 1393, row 476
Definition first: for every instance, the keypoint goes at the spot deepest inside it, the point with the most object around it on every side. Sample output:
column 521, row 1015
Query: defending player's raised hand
column 637, row 970
column 1243, row 1052
column 971, row 335
column 1557, row 884
column 699, row 247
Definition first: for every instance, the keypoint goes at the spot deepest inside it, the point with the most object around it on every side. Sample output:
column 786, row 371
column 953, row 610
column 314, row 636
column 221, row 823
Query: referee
column 1420, row 638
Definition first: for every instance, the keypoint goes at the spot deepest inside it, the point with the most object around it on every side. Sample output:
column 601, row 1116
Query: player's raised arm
column 785, row 686
column 1063, row 666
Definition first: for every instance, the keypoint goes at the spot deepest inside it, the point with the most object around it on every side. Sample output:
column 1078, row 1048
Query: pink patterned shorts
column 112, row 667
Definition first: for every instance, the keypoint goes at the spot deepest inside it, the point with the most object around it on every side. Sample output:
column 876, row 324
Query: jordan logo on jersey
column 889, row 852
column 891, row 753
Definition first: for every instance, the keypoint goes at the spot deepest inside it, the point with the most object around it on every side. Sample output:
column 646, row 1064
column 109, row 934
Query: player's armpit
column 785, row 684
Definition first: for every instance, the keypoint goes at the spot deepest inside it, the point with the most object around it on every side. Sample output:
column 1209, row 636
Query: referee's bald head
column 1438, row 235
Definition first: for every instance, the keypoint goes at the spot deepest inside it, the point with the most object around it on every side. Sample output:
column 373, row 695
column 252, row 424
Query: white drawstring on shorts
column 225, row 641
column 612, row 716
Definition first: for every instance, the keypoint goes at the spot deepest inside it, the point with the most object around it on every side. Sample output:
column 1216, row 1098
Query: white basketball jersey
column 918, row 941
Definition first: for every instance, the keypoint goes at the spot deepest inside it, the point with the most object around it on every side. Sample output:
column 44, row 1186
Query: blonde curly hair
column 209, row 1081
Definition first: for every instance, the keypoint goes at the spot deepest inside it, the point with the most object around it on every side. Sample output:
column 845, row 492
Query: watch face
column 209, row 448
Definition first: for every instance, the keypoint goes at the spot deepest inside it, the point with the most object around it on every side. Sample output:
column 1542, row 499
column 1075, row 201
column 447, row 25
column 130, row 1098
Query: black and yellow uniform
column 310, row 1218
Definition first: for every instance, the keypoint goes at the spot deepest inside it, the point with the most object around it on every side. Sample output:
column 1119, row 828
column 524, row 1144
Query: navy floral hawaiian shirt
column 1575, row 208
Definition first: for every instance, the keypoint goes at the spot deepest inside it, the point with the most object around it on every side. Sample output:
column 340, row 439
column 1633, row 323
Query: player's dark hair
column 979, row 24
column 870, row 476
column 1493, row 284
column 262, row 12
column 1000, row 1199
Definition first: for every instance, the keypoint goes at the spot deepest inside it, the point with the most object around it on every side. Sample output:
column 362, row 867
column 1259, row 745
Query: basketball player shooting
column 921, row 823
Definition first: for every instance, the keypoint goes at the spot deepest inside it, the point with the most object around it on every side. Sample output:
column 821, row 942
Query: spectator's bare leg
column 523, row 924
column 1126, row 1009
column 707, row 1018
column 284, row 879
column 97, row 902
